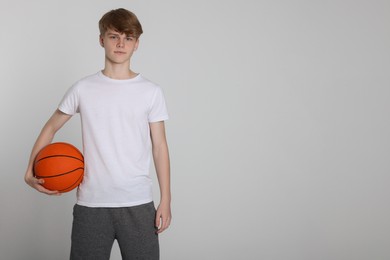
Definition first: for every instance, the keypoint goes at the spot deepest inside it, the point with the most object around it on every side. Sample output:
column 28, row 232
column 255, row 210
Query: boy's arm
column 56, row 121
column 161, row 162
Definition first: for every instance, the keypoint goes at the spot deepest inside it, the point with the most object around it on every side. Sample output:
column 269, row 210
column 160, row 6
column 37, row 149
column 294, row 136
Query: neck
column 118, row 71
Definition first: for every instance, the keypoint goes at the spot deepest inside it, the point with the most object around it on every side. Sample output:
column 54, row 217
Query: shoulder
column 87, row 79
column 83, row 82
column 148, row 83
column 153, row 89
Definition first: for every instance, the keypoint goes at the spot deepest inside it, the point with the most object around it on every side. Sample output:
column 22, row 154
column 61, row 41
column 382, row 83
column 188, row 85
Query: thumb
column 158, row 220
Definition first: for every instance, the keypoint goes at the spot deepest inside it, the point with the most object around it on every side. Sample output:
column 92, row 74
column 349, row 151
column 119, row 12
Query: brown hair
column 122, row 21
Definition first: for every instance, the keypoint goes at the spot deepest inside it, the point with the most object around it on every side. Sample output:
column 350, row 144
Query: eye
column 129, row 38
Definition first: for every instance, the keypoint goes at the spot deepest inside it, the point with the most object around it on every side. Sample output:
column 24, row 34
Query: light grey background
column 279, row 129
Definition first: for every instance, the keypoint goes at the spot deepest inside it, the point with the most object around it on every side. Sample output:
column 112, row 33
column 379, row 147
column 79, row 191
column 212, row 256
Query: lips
column 119, row 52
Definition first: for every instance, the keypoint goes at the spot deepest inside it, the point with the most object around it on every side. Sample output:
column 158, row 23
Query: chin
column 118, row 61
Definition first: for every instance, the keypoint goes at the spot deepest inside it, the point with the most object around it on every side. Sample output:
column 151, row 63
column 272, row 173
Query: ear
column 101, row 41
column 136, row 45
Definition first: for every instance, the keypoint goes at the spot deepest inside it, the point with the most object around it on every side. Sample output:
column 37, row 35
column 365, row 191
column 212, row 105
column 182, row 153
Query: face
column 118, row 46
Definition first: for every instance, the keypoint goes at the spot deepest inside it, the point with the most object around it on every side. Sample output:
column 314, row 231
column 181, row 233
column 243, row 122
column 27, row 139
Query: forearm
column 45, row 137
column 161, row 161
column 162, row 165
column 56, row 121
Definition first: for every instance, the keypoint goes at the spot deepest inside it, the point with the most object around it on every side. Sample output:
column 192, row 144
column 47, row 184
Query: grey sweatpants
column 95, row 229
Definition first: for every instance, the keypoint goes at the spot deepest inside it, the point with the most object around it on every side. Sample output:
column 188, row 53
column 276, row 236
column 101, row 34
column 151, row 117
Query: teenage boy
column 122, row 117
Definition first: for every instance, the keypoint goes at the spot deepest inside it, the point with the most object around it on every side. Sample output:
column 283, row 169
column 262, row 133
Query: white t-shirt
column 115, row 117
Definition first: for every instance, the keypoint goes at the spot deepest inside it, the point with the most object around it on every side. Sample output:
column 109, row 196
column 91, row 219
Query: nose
column 121, row 42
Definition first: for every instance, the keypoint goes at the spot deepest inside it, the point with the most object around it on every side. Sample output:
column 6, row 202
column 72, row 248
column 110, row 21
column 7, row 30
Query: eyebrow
column 117, row 34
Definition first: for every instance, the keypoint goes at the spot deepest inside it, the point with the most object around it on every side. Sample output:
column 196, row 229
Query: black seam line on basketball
column 60, row 155
column 80, row 168
column 80, row 177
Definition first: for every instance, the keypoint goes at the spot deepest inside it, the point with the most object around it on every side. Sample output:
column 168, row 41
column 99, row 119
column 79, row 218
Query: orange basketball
column 61, row 165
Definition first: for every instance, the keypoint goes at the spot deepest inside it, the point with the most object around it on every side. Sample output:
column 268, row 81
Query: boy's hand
column 163, row 217
column 37, row 184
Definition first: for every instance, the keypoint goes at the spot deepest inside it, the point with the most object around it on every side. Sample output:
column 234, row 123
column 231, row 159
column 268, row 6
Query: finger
column 158, row 220
column 33, row 182
column 160, row 230
column 165, row 224
column 49, row 192
column 53, row 192
column 161, row 227
column 42, row 189
column 37, row 183
column 168, row 222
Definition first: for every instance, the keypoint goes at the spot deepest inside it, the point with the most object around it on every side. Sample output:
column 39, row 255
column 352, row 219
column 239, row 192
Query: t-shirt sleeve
column 158, row 111
column 70, row 102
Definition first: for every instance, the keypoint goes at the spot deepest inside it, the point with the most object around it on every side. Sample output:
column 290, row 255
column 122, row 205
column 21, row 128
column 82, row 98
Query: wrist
column 165, row 200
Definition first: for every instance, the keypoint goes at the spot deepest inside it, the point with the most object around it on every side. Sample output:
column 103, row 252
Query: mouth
column 119, row 52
